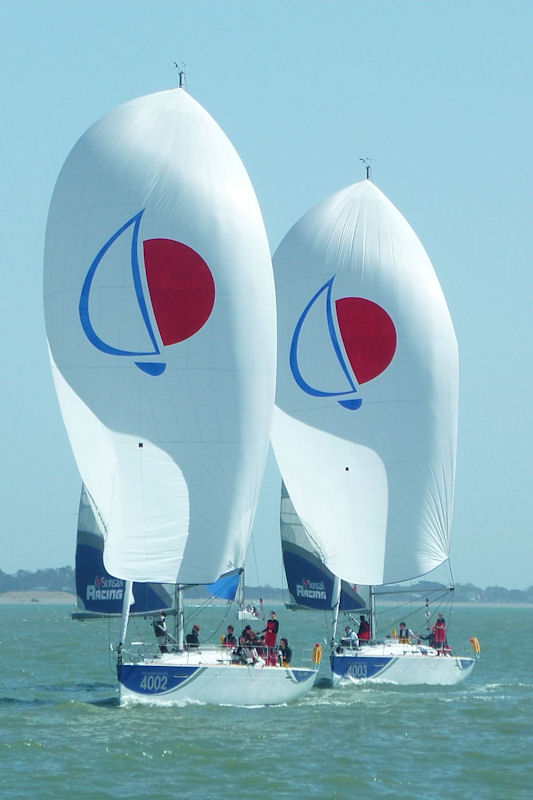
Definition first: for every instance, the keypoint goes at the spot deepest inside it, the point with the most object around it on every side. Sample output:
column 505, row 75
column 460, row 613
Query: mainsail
column 310, row 583
column 160, row 316
column 98, row 593
column 366, row 421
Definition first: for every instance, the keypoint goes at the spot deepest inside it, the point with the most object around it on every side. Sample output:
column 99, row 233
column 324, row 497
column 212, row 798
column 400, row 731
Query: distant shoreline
column 27, row 597
column 66, row 598
column 49, row 598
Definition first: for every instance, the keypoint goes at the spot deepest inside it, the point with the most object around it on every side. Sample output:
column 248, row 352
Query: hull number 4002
column 154, row 683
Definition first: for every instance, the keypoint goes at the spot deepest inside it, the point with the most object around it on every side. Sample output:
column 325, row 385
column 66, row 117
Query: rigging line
column 408, row 616
column 193, row 615
column 443, row 593
column 326, row 616
column 399, row 606
column 452, row 581
column 222, row 621
column 254, row 556
column 448, row 606
column 109, row 649
column 284, row 585
column 395, row 609
column 452, row 592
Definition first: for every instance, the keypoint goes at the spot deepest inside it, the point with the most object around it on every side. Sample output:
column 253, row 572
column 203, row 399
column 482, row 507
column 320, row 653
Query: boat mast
column 335, row 606
column 181, row 73
column 368, row 166
column 126, row 602
column 180, row 617
column 373, row 615
column 240, row 601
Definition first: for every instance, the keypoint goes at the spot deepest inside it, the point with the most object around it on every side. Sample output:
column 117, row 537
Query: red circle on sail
column 368, row 335
column 182, row 288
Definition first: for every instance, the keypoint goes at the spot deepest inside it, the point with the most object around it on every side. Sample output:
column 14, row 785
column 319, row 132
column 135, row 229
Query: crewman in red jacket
column 271, row 636
column 439, row 631
column 363, row 633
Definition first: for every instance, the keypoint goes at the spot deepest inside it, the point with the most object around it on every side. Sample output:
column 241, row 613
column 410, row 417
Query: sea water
column 63, row 735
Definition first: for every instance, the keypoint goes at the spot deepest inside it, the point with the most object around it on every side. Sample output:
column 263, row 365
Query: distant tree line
column 468, row 593
column 62, row 579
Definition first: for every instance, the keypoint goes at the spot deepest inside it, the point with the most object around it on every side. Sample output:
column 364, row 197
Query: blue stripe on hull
column 359, row 667
column 300, row 675
column 155, row 680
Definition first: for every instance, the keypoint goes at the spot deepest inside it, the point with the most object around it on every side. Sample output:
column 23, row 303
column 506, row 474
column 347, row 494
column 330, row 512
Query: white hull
column 401, row 664
column 244, row 614
column 210, row 676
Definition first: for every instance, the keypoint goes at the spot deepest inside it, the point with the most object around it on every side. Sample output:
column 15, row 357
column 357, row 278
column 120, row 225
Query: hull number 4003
column 357, row 671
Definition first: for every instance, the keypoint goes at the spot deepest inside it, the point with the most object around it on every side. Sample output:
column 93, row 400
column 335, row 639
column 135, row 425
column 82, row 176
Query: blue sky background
column 438, row 94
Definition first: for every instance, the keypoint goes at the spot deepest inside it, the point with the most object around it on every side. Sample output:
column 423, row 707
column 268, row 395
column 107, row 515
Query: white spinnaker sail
column 365, row 425
column 160, row 316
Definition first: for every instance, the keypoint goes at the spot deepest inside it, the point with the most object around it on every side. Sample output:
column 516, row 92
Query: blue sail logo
column 363, row 339
column 181, row 293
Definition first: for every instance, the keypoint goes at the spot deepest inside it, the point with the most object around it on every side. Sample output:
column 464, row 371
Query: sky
column 437, row 94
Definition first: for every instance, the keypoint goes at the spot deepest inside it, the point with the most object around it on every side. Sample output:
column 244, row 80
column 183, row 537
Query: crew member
column 161, row 631
column 350, row 638
column 229, row 638
column 192, row 638
column 363, row 633
column 405, row 634
column 285, row 652
column 439, row 631
column 271, row 635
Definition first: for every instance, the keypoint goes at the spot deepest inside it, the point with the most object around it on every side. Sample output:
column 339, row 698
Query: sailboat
column 365, row 425
column 160, row 317
column 245, row 609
